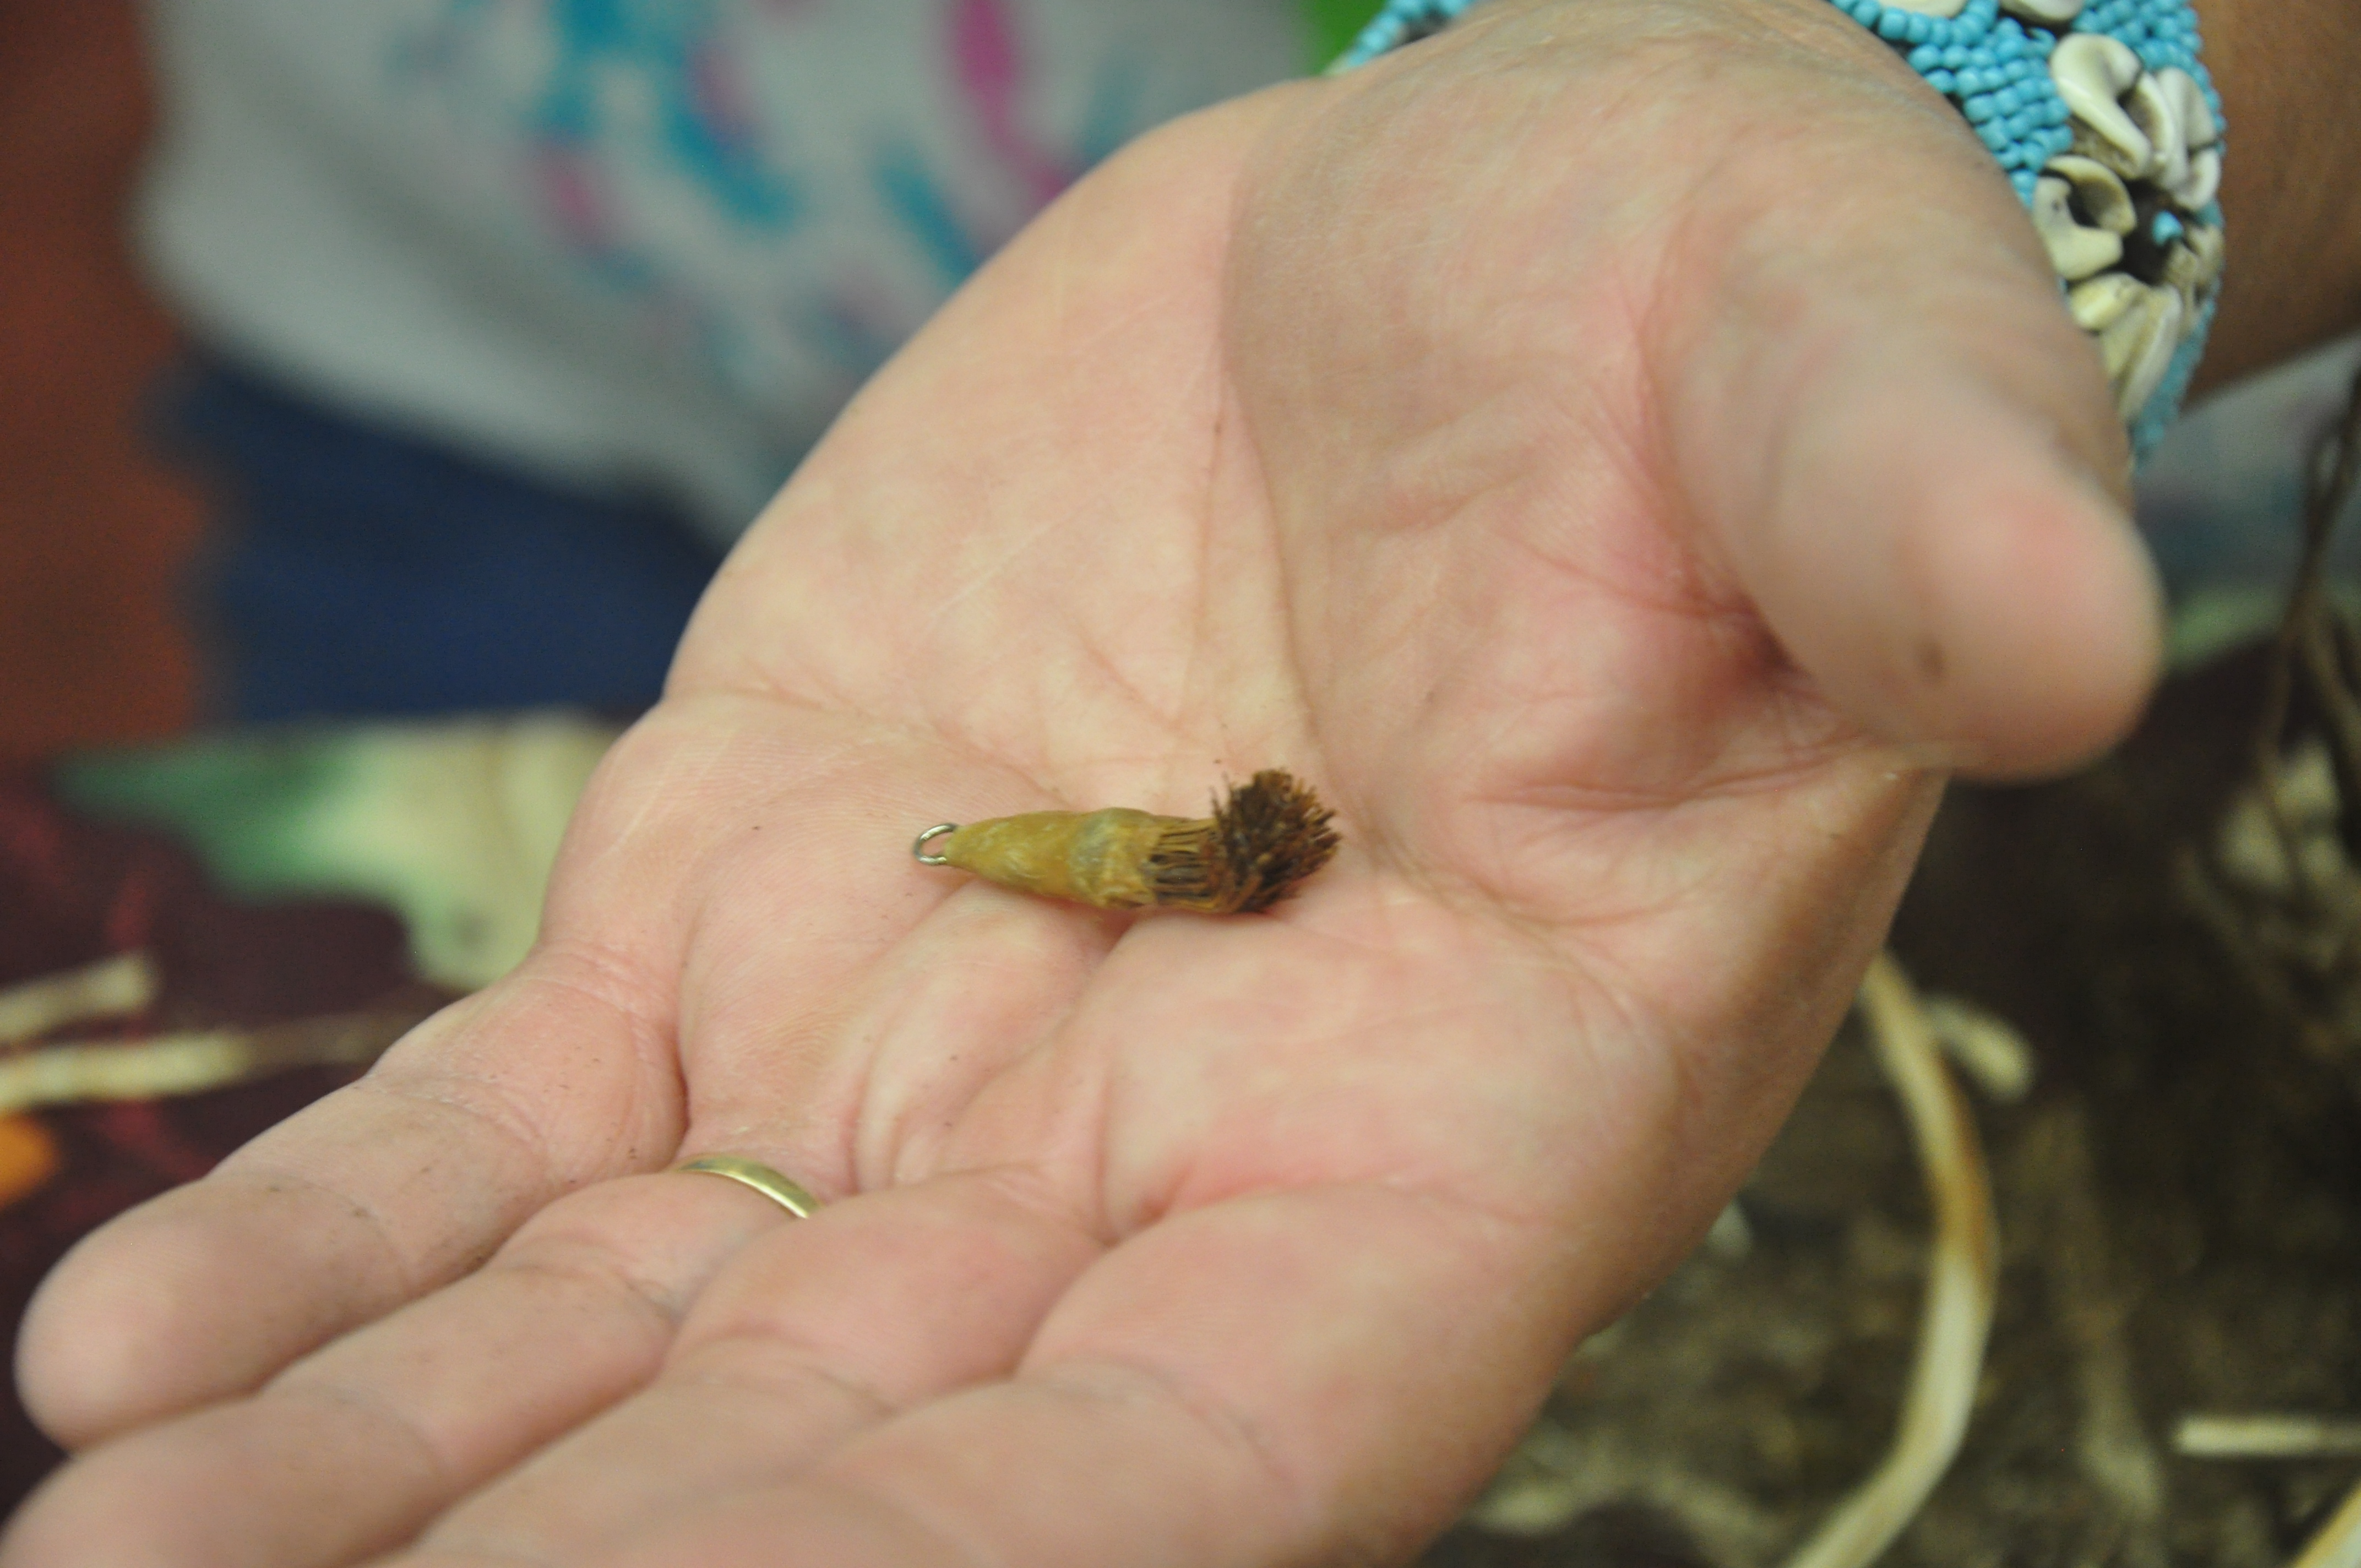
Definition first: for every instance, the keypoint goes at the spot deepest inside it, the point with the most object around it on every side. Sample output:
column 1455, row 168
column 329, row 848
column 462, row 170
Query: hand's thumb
column 1899, row 455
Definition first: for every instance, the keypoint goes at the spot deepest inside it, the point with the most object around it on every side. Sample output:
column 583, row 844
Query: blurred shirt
column 636, row 247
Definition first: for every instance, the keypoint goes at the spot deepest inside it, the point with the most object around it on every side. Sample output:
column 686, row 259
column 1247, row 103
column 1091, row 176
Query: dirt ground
column 2179, row 1214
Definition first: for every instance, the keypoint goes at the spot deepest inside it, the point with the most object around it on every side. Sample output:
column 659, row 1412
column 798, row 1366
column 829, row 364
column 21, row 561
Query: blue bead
column 1995, row 68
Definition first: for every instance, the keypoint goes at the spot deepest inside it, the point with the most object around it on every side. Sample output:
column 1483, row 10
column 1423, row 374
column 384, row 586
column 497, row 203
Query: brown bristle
column 1268, row 835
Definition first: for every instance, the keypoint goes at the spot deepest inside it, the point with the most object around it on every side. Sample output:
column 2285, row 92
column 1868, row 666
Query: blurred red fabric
column 72, row 891
column 93, row 531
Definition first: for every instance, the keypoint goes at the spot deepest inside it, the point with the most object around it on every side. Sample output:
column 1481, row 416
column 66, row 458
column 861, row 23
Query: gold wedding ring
column 786, row 1194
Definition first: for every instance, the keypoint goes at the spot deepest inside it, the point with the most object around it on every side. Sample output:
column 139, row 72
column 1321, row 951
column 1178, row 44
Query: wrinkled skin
column 1620, row 453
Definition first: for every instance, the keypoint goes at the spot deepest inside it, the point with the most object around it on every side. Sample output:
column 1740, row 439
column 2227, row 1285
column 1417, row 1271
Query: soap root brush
column 1259, row 843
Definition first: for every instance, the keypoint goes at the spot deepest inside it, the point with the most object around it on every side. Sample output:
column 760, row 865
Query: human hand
column 1620, row 452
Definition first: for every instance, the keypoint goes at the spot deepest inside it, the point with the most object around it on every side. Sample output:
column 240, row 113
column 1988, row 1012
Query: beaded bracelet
column 2106, row 124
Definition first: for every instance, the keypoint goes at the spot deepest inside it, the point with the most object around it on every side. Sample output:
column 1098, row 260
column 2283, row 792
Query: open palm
column 1540, row 445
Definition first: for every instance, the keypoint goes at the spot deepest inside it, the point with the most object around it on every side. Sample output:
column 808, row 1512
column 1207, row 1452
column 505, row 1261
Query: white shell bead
column 2092, row 72
column 2172, row 325
column 2198, row 178
column 2137, row 347
column 2097, row 302
column 1930, row 7
column 2099, row 189
column 2194, row 265
column 2206, row 241
column 2049, row 13
column 2198, row 127
column 2075, row 250
column 2205, row 180
column 2152, row 109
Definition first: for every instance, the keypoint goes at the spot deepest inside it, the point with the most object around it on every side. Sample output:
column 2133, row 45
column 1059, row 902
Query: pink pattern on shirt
column 571, row 196
column 991, row 72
